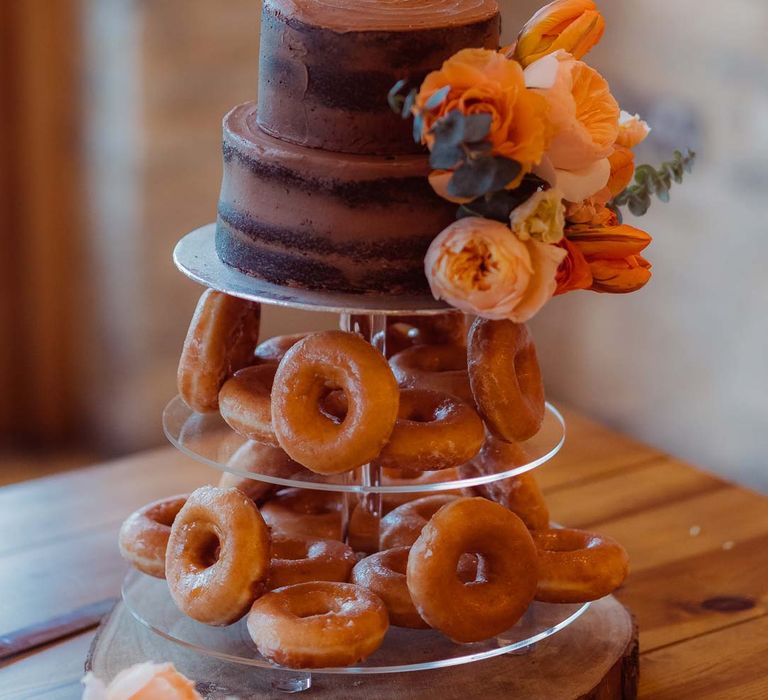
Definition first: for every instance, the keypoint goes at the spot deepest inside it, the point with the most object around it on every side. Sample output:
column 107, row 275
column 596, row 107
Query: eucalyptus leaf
column 473, row 179
column 418, row 127
column 408, row 103
column 506, row 171
column 450, row 128
column 437, row 98
column 445, row 155
column 477, row 127
column 394, row 98
column 650, row 180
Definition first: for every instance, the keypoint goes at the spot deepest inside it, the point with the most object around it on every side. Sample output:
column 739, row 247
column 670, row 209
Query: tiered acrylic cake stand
column 208, row 439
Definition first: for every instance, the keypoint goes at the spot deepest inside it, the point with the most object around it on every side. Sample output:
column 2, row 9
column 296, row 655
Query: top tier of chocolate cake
column 327, row 65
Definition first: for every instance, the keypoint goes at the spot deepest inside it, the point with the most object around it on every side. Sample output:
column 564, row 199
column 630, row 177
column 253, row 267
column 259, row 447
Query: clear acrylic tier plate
column 207, row 438
column 403, row 650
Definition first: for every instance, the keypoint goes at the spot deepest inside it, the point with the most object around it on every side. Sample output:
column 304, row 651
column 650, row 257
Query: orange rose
column 586, row 120
column 574, row 272
column 572, row 25
column 481, row 267
column 614, row 276
column 484, row 81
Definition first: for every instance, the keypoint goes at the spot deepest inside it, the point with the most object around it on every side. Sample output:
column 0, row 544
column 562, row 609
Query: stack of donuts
column 319, row 592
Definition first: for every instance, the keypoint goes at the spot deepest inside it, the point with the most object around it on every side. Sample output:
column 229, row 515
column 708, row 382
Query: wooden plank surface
column 698, row 545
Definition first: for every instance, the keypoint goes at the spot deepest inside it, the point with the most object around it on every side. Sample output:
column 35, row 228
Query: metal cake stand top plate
column 195, row 255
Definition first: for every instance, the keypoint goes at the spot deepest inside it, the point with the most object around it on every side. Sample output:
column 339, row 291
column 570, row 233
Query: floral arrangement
column 531, row 145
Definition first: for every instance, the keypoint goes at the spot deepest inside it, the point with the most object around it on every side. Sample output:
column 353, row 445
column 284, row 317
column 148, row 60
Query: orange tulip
column 614, row 276
column 574, row 272
column 608, row 242
column 572, row 25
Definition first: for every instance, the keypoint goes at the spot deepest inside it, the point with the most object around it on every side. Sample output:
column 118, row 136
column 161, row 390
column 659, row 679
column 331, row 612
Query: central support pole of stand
column 373, row 328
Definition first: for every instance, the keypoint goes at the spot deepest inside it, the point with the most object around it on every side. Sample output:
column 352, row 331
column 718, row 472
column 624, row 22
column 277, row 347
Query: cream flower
column 632, row 130
column 542, row 218
column 146, row 681
column 481, row 267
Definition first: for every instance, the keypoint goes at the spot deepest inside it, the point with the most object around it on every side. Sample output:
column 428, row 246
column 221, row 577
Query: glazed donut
column 433, row 431
column 404, row 524
column 303, row 513
column 318, row 624
column 399, row 477
column 319, row 363
column 506, row 580
column 437, row 367
column 302, row 559
column 577, row 566
column 440, row 329
column 144, row 535
column 274, row 349
column 363, row 531
column 245, row 403
column 218, row 556
column 221, row 338
column 256, row 458
column 505, row 378
column 383, row 573
column 520, row 494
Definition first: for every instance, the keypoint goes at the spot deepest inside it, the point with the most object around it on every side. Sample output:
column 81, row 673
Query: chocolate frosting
column 385, row 15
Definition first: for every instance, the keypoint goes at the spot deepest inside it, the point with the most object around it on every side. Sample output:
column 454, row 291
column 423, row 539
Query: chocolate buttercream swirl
column 385, row 15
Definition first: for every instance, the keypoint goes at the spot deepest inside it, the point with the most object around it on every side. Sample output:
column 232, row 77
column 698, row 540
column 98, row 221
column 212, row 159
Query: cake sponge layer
column 319, row 220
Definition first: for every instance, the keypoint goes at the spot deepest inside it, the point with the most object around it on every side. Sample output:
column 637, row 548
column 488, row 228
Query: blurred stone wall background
column 681, row 365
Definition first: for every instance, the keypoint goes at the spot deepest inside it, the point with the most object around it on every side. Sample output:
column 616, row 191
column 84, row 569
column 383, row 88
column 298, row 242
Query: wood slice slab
column 595, row 658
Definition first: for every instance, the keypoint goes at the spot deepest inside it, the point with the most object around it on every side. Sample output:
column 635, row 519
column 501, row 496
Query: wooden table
column 698, row 545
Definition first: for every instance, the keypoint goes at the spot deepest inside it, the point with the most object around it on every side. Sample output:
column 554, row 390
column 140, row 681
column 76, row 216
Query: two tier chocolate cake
column 324, row 187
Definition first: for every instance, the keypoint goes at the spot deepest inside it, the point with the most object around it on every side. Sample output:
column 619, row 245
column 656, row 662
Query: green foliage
column 650, row 181
column 459, row 143
column 500, row 205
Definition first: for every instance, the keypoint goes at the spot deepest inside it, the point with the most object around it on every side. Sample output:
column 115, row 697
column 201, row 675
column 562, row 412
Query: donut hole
column 205, row 548
column 333, row 404
column 311, row 606
column 472, row 568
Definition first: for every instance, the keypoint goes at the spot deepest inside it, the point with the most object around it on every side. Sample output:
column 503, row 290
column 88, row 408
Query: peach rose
column 146, row 681
column 574, row 272
column 632, row 130
column 481, row 267
column 585, row 117
column 572, row 25
column 484, row 81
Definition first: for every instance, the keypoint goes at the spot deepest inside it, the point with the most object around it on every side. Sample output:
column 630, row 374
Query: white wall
column 683, row 364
